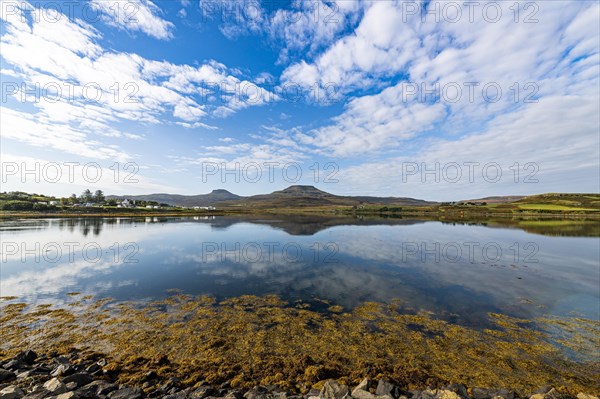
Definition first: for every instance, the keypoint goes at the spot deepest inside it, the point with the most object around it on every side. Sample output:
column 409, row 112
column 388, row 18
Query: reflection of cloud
column 368, row 266
column 55, row 279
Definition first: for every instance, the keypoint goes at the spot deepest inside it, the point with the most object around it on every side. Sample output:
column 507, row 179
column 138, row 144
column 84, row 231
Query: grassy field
column 553, row 207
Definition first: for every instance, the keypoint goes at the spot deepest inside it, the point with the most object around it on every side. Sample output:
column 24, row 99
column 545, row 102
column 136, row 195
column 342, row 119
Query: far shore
column 432, row 212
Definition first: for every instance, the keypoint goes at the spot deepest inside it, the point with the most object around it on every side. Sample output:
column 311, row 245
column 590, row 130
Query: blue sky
column 438, row 100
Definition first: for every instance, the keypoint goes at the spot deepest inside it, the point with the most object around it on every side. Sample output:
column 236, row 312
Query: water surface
column 458, row 271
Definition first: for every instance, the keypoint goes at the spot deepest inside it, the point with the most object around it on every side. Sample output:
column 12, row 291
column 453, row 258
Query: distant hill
column 293, row 196
column 498, row 199
column 209, row 199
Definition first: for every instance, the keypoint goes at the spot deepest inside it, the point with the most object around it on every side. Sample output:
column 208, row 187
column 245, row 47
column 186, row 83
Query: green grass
column 554, row 207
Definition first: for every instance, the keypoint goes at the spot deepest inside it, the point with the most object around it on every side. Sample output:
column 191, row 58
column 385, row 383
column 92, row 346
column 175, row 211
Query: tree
column 87, row 196
column 98, row 197
column 73, row 199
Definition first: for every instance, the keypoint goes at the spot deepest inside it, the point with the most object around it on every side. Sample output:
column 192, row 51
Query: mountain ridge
column 295, row 195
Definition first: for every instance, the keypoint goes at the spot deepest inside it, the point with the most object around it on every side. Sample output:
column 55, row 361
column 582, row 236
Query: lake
column 460, row 272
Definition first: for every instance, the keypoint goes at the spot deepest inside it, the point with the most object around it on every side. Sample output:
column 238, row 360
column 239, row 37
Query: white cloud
column 301, row 27
column 84, row 90
column 135, row 15
column 559, row 136
column 26, row 128
column 371, row 123
column 556, row 57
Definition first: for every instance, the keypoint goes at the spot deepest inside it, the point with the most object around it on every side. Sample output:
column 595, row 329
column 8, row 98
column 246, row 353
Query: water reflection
column 461, row 271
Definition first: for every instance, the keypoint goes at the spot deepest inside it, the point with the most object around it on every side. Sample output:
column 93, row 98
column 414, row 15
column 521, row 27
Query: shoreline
column 76, row 375
column 309, row 212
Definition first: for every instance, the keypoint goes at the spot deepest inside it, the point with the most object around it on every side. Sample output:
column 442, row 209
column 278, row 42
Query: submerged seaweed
column 251, row 340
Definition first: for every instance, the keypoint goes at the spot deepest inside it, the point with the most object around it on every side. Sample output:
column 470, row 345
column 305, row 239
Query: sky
column 440, row 100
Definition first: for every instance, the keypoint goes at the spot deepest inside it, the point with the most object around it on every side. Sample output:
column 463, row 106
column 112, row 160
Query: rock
column 202, row 392
column 93, row 368
column 234, row 395
column 150, row 375
column 55, row 386
column 125, row 393
column 11, row 392
column 332, row 390
column 29, row 373
column 27, row 357
column 258, row 392
column 385, row 388
column 551, row 394
column 71, row 386
column 582, row 395
column 99, row 387
column 459, row 389
column 364, row 385
column 176, row 395
column 13, row 364
column 68, row 395
column 362, row 390
column 360, row 394
column 436, row 394
column 484, row 393
column 61, row 360
column 41, row 394
column 24, row 374
column 6, row 375
column 80, row 378
column 62, row 369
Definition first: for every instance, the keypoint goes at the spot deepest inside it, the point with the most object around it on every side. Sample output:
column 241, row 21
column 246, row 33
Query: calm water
column 460, row 272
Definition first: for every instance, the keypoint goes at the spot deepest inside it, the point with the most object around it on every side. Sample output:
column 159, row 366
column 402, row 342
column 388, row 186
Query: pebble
column 29, row 376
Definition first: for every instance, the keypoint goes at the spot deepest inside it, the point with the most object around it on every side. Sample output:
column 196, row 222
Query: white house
column 126, row 204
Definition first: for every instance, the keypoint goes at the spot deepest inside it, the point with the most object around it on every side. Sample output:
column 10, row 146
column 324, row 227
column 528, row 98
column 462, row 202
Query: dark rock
column 80, row 378
column 68, row 395
column 258, row 392
column 313, row 392
column 551, row 394
column 459, row 389
column 92, row 368
column 61, row 360
column 332, row 390
column 484, row 393
column 11, row 392
column 99, row 387
column 235, row 394
column 27, row 357
column 62, row 369
column 387, row 388
column 13, row 364
column 177, row 395
column 6, row 375
column 162, row 361
column 151, row 375
column 31, row 373
column 202, row 392
column 37, row 394
column 125, row 393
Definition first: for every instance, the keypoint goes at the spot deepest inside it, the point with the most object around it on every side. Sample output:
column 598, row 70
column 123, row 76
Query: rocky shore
column 32, row 376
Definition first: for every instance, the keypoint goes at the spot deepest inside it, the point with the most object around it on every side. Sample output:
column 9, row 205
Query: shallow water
column 457, row 271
